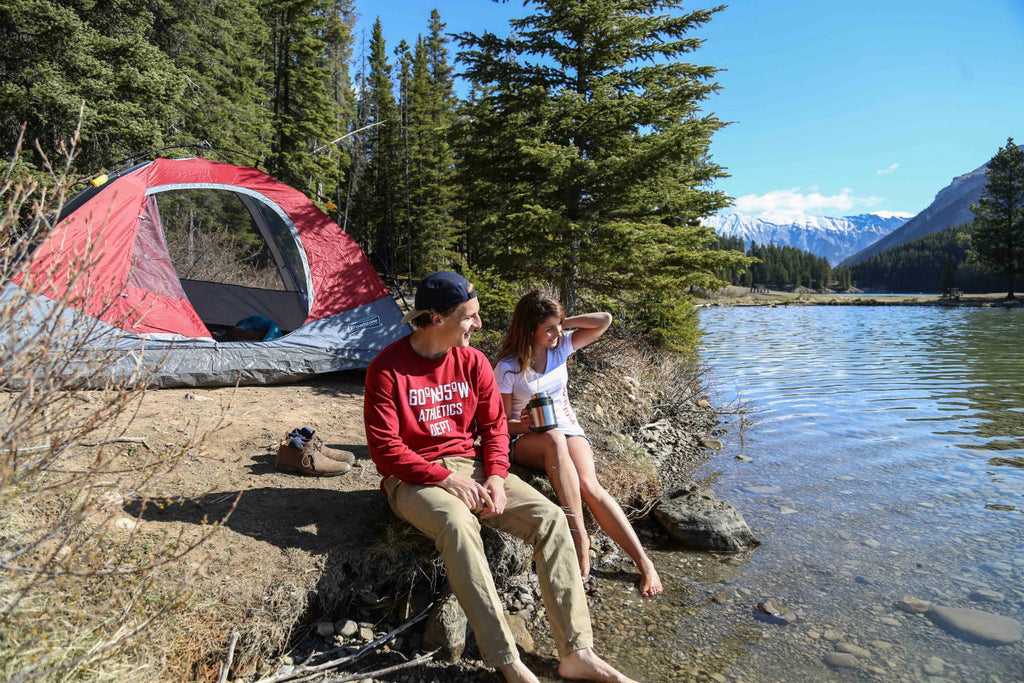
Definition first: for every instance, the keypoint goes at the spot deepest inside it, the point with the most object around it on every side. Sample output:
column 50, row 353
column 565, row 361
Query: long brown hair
column 530, row 312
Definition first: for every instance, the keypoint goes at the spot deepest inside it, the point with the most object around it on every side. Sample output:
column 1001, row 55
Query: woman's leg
column 609, row 514
column 548, row 451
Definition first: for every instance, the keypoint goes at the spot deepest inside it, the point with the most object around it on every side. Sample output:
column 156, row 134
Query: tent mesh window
column 236, row 257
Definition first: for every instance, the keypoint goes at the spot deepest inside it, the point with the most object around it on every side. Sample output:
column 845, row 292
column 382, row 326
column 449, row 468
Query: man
column 428, row 397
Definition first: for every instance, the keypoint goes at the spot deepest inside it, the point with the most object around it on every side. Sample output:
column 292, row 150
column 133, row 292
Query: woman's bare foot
column 586, row 665
column 650, row 582
column 516, row 672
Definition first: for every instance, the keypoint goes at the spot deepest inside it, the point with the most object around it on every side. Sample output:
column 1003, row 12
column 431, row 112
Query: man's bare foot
column 516, row 672
column 586, row 665
column 650, row 582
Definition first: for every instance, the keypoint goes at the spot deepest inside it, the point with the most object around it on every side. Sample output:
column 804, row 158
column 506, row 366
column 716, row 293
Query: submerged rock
column 698, row 520
column 977, row 626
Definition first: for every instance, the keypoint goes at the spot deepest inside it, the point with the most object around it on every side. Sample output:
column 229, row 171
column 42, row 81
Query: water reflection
column 866, row 483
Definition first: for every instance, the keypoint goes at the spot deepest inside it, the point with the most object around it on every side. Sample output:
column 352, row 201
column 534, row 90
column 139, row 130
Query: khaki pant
column 456, row 533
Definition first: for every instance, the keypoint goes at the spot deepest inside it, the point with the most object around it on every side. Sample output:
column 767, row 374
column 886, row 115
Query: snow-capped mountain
column 833, row 238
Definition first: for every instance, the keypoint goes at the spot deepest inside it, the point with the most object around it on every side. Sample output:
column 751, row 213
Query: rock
column 446, row 629
column 713, row 444
column 325, row 629
column 829, row 634
column 841, row 660
column 914, row 605
column 977, row 626
column 776, row 613
column 882, row 645
column 126, row 523
column 520, row 632
column 697, row 520
column 347, row 628
column 855, row 650
column 366, row 633
column 981, row 595
column 934, row 666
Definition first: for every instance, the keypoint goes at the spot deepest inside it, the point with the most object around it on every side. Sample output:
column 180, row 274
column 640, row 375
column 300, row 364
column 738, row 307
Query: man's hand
column 475, row 496
column 495, row 486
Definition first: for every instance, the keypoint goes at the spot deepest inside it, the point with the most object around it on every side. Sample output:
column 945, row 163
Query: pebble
column 831, row 635
column 855, row 650
column 883, row 645
column 914, row 605
column 934, row 666
column 841, row 660
column 325, row 628
column 986, row 596
column 348, row 628
column 889, row 621
column 126, row 523
column 366, row 633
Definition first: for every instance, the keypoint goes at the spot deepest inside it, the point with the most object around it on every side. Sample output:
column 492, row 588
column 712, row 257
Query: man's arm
column 392, row 456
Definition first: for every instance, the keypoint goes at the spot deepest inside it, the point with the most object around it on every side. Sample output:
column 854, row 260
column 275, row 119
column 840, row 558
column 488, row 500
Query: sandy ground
column 288, row 532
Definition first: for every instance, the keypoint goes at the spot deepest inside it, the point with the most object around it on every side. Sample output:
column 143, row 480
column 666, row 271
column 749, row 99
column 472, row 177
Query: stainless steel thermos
column 542, row 413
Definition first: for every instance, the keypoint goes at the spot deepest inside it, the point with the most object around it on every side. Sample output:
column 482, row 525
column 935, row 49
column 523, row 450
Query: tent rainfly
column 333, row 310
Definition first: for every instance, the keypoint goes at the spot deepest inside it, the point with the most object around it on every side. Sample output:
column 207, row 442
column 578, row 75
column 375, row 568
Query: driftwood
column 121, row 439
column 307, row 671
column 382, row 672
column 226, row 666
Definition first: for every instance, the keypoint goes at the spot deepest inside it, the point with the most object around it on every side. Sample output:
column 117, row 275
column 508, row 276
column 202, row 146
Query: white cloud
column 893, row 214
column 886, row 171
column 796, row 203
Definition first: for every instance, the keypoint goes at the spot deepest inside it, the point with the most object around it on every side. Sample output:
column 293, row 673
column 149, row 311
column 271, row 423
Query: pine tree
column 998, row 239
column 585, row 154
column 310, row 39
column 431, row 113
column 378, row 175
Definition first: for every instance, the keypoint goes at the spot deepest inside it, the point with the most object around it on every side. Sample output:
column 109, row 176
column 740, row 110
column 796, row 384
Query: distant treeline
column 783, row 267
column 929, row 264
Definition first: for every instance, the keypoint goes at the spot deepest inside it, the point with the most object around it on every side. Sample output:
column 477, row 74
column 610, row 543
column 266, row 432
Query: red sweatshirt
column 418, row 410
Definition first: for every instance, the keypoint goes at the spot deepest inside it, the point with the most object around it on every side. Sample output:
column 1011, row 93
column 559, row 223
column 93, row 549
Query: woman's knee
column 592, row 492
column 554, row 444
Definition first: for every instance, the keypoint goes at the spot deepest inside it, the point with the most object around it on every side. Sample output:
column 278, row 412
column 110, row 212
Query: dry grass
column 78, row 584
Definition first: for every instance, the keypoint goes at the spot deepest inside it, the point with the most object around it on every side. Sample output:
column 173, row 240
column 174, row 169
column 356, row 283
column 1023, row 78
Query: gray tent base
column 106, row 354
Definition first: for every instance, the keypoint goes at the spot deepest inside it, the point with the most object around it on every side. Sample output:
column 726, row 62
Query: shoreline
column 740, row 296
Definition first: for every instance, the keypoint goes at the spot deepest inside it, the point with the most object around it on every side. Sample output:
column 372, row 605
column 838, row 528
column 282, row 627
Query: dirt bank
column 295, row 548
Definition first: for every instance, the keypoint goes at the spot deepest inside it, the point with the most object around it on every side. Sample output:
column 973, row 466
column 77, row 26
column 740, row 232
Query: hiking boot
column 308, row 460
column 333, row 453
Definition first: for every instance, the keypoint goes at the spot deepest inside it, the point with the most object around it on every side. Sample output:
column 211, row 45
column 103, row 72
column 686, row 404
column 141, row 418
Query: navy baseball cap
column 440, row 291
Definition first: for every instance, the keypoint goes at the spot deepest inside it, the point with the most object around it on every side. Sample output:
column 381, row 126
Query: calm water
column 883, row 458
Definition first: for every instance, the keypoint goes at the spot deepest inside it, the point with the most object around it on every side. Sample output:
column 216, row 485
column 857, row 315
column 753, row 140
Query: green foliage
column 583, row 155
column 782, row 267
column 998, row 238
column 931, row 263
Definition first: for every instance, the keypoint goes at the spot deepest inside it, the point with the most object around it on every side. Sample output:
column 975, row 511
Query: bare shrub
column 78, row 582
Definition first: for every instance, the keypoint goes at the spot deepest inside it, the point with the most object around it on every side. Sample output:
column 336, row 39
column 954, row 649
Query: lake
column 881, row 457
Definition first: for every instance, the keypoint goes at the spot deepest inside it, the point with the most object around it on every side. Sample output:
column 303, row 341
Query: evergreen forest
column 578, row 159
column 782, row 268
column 933, row 263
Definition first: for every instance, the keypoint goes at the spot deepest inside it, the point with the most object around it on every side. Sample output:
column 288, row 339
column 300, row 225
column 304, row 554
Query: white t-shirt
column 554, row 382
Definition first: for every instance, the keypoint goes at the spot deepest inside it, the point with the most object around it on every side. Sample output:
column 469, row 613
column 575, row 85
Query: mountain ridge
column 951, row 206
column 832, row 238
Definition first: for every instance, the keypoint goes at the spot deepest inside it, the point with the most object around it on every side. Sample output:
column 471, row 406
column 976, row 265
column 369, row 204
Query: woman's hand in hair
column 589, row 327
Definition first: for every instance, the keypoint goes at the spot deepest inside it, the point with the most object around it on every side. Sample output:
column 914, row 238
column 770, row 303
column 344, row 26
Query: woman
column 533, row 359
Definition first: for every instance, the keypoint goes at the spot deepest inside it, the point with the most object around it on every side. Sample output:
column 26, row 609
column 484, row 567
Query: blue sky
column 839, row 108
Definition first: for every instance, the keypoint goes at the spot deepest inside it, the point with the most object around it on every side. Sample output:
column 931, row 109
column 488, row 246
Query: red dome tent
column 332, row 307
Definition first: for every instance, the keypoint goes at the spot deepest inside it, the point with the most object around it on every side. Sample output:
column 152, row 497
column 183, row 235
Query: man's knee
column 460, row 526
